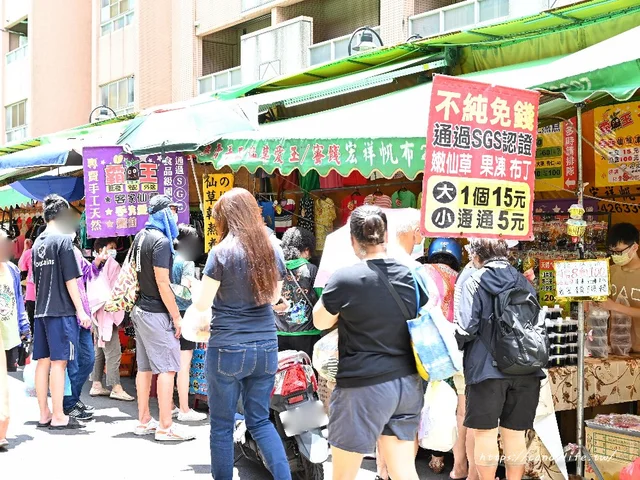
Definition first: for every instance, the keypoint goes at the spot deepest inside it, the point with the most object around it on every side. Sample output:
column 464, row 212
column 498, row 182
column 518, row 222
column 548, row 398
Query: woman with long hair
column 378, row 393
column 242, row 281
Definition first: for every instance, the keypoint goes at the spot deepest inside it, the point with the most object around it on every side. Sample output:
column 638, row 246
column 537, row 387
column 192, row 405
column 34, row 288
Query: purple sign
column 118, row 187
column 562, row 205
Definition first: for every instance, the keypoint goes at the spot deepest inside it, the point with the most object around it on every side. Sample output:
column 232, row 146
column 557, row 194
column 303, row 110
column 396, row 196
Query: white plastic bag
column 196, row 325
column 325, row 356
column 29, row 378
column 438, row 422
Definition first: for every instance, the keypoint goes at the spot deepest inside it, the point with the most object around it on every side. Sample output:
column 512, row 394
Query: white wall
column 276, row 50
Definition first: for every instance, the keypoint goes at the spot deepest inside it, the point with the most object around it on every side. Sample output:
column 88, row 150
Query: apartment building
column 244, row 41
column 45, row 72
column 64, row 58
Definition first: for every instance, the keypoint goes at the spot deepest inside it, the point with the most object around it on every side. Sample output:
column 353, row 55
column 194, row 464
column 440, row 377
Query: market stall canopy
column 326, row 88
column 387, row 134
column 610, row 67
column 187, row 126
column 44, row 155
column 9, row 197
column 103, row 133
column 69, row 188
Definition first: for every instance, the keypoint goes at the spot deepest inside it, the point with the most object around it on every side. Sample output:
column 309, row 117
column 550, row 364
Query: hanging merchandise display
column 213, row 187
column 480, row 161
column 403, row 198
column 268, row 213
column 378, row 199
column 119, row 187
column 325, row 211
column 349, row 204
column 306, row 218
column 284, row 215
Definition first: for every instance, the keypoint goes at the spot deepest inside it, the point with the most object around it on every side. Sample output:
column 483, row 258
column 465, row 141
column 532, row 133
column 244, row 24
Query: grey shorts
column 359, row 415
column 157, row 348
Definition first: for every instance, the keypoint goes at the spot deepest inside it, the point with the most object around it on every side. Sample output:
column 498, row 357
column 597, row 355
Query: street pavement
column 107, row 448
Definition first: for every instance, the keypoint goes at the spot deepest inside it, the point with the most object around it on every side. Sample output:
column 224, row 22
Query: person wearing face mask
column 157, row 320
column 495, row 400
column 188, row 248
column 58, row 310
column 294, row 310
column 623, row 243
column 107, row 340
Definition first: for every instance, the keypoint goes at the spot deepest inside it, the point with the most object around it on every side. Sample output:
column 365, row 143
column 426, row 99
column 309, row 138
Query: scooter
column 298, row 416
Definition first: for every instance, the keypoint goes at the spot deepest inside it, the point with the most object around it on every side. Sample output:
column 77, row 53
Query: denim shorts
column 359, row 415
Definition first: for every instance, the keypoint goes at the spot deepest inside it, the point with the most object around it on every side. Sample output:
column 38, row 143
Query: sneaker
column 148, row 428
column 191, row 416
column 175, row 412
column 84, row 408
column 80, row 414
column 173, row 434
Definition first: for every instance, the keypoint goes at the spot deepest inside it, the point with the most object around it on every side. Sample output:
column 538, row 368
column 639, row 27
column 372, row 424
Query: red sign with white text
column 480, row 161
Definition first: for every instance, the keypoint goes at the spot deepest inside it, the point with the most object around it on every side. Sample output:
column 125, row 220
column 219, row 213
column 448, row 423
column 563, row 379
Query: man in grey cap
column 157, row 320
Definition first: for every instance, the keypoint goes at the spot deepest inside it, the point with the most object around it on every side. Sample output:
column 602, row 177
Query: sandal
column 72, row 425
column 436, row 464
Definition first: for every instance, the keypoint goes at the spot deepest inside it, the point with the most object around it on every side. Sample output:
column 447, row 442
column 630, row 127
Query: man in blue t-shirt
column 58, row 310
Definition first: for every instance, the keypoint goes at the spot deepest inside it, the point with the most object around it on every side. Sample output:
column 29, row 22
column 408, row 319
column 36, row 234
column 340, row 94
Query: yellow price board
column 213, row 187
column 617, row 137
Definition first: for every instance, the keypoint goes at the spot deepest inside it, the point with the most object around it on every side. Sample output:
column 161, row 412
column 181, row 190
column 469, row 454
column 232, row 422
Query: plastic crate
column 612, row 449
column 127, row 364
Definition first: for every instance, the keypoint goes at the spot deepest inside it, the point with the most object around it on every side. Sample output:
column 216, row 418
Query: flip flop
column 72, row 425
column 44, row 425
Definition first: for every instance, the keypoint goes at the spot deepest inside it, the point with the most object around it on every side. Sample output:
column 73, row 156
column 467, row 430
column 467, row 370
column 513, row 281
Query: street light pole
column 102, row 107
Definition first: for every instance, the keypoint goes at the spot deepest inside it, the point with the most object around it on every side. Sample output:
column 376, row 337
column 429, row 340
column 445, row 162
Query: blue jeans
column 80, row 367
column 248, row 369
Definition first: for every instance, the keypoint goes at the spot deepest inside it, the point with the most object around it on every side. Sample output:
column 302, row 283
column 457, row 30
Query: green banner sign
column 365, row 155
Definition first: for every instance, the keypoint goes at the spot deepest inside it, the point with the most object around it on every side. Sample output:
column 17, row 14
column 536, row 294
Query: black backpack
column 516, row 335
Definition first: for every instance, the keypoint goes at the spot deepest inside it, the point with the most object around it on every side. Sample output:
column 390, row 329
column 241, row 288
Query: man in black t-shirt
column 157, row 320
column 58, row 310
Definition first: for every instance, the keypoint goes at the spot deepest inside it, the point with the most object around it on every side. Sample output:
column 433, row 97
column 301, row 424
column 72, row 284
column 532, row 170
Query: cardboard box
column 612, row 449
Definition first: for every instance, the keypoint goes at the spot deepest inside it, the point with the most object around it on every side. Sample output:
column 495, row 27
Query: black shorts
column 506, row 402
column 186, row 345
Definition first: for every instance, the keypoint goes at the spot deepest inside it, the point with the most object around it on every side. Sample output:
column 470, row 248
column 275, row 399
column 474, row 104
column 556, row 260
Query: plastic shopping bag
column 29, row 378
column 631, row 471
column 325, row 356
column 433, row 340
column 438, row 422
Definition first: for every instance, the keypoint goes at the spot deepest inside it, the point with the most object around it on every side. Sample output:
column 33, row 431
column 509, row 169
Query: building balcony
column 220, row 80
column 17, row 54
column 458, row 16
column 16, row 83
column 246, row 5
column 15, row 135
column 333, row 49
column 277, row 50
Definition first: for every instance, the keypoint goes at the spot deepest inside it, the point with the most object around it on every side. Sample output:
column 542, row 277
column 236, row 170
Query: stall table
column 608, row 381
